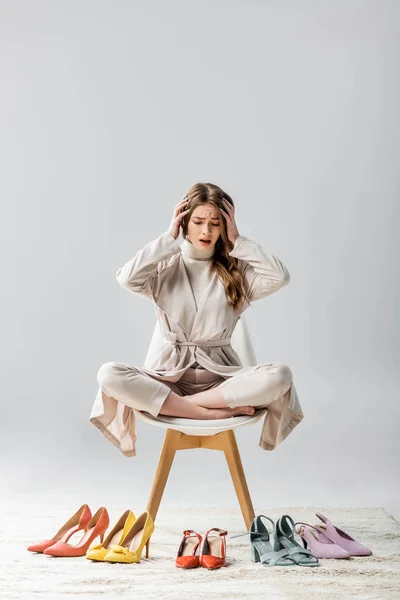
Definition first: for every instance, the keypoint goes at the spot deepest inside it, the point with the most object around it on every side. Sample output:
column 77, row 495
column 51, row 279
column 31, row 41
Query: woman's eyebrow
column 202, row 218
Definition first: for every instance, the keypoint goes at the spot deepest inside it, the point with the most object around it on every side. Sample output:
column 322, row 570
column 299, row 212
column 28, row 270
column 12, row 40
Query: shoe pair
column 82, row 520
column 211, row 549
column 126, row 540
column 124, row 543
column 284, row 552
column 328, row 541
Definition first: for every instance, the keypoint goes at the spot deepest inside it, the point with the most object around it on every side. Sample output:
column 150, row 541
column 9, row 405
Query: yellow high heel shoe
column 116, row 536
column 131, row 548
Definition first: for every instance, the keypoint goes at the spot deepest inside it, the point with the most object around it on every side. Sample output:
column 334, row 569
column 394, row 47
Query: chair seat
column 202, row 427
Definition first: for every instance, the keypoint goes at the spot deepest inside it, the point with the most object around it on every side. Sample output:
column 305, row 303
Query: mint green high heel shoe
column 261, row 547
column 284, row 540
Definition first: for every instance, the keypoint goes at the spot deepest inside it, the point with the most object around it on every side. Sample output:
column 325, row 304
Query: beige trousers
column 139, row 390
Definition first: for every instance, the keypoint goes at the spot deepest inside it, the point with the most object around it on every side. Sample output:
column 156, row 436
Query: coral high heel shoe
column 186, row 557
column 96, row 527
column 213, row 549
column 77, row 522
column 342, row 538
column 130, row 550
column 116, row 536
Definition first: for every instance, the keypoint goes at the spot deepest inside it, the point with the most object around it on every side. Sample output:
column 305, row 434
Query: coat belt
column 171, row 338
column 223, row 342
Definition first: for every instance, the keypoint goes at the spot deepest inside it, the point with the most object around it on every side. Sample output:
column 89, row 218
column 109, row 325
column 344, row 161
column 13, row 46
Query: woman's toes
column 245, row 410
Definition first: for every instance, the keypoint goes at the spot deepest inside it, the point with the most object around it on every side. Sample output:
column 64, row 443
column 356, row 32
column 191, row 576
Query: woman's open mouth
column 205, row 242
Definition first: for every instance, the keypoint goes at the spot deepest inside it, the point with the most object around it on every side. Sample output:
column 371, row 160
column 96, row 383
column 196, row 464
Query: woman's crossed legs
column 237, row 395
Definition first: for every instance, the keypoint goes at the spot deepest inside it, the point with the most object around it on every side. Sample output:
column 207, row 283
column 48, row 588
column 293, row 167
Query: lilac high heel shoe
column 341, row 538
column 321, row 546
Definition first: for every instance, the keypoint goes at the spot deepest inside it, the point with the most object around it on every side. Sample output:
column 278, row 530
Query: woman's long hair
column 224, row 265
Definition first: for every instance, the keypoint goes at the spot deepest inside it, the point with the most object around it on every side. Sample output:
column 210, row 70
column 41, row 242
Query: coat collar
column 188, row 249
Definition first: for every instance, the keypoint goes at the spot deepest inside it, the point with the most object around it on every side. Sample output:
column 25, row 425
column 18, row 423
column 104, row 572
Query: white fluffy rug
column 28, row 576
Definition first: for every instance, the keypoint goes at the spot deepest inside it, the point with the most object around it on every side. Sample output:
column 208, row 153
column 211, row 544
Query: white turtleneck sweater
column 197, row 266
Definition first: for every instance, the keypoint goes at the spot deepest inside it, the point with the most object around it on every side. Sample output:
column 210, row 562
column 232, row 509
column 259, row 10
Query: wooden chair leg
column 235, row 465
column 164, row 466
column 225, row 441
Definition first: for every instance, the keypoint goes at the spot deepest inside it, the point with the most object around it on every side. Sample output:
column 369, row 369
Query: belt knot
column 172, row 339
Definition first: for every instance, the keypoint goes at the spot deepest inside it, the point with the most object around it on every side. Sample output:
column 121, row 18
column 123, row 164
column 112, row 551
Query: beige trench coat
column 203, row 334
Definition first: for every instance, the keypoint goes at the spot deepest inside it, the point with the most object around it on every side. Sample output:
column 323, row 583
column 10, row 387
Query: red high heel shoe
column 79, row 521
column 186, row 557
column 96, row 527
column 213, row 549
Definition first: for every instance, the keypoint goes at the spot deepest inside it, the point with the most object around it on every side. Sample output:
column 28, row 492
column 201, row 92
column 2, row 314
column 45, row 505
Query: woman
column 199, row 289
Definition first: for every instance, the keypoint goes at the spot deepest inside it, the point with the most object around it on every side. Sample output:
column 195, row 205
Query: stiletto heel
column 77, row 522
column 148, row 548
column 96, row 526
column 131, row 547
column 115, row 536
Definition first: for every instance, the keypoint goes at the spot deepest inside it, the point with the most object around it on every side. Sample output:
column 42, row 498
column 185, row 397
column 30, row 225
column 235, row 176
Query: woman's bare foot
column 224, row 413
column 179, row 406
column 214, row 402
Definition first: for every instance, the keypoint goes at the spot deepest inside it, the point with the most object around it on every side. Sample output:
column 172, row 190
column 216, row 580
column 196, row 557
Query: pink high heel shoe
column 320, row 545
column 341, row 538
column 77, row 522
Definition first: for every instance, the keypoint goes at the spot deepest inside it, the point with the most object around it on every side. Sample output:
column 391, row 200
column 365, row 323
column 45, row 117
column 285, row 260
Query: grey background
column 109, row 112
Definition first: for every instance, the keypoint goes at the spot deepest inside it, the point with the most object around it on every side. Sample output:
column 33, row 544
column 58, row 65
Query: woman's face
column 205, row 224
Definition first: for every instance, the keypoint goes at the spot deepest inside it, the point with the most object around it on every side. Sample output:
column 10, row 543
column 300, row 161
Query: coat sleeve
column 263, row 272
column 139, row 273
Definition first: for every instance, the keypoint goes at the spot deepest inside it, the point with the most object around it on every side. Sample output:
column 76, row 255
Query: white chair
column 184, row 434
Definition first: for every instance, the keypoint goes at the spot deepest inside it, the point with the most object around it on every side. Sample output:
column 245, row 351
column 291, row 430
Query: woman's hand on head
column 178, row 214
column 231, row 228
